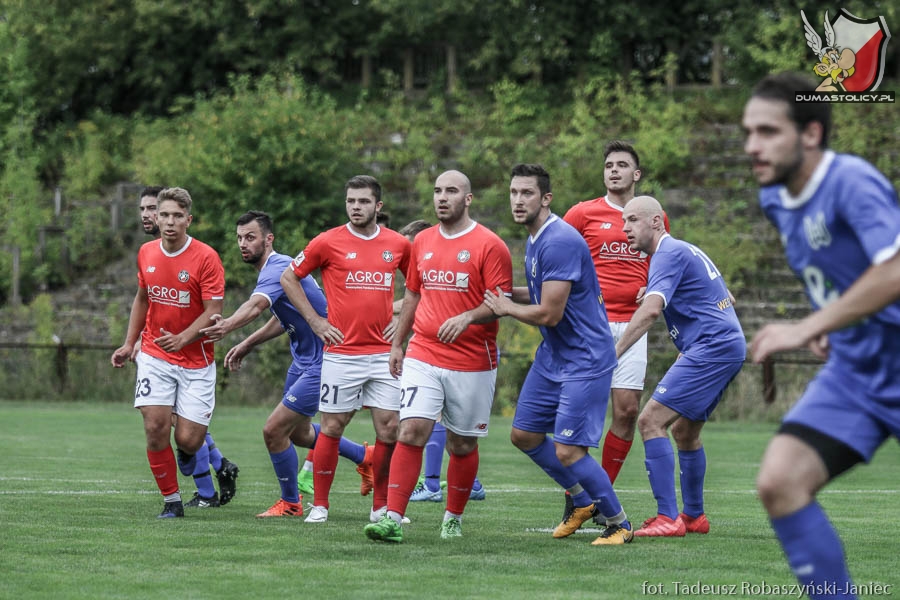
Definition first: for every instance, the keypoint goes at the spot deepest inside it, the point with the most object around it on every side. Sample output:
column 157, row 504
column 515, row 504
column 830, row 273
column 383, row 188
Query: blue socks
column 544, row 456
column 197, row 466
column 596, row 484
column 434, row 457
column 660, row 463
column 693, row 471
column 215, row 456
column 814, row 552
column 286, row 464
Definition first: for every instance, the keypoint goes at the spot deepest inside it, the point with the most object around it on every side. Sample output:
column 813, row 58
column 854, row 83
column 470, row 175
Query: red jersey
column 620, row 271
column 177, row 284
column 451, row 274
column 358, row 276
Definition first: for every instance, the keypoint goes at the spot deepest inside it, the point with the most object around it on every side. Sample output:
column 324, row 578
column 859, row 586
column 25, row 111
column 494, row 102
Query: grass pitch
column 78, row 520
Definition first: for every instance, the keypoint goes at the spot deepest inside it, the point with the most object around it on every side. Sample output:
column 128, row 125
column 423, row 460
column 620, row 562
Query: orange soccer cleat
column 366, row 471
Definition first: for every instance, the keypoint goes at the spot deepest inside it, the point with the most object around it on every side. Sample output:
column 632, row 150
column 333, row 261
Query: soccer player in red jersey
column 181, row 285
column 226, row 471
column 358, row 261
column 450, row 367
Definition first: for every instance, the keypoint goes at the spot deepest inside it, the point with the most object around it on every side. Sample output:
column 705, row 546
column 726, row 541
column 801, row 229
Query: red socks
column 615, row 449
column 165, row 470
column 325, row 459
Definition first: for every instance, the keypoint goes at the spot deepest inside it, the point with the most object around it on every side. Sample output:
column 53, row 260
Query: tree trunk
column 366, row 76
column 451, row 68
column 408, row 64
column 717, row 61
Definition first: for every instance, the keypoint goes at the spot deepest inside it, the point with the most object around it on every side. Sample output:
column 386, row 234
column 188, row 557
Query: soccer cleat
column 227, row 476
column 171, row 510
column 423, row 494
column 661, row 526
column 305, row 483
column 199, row 501
column 615, row 535
column 366, row 471
column 283, row 508
column 317, row 514
column 478, row 494
column 376, row 515
column 451, row 528
column 574, row 521
column 385, row 530
column 695, row 524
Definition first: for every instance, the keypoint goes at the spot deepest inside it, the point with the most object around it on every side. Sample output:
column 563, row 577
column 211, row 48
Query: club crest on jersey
column 817, row 234
column 463, row 256
column 183, row 276
column 387, row 256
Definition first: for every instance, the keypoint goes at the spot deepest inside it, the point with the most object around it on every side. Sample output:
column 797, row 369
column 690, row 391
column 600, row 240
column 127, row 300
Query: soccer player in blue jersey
column 567, row 388
column 290, row 423
column 687, row 288
column 840, row 226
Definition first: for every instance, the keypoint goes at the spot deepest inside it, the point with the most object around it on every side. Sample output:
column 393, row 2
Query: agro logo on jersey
column 369, row 280
column 853, row 55
column 452, row 281
column 183, row 276
column 161, row 294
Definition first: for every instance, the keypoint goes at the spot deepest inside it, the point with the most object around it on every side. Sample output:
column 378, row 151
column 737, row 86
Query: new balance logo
column 350, row 255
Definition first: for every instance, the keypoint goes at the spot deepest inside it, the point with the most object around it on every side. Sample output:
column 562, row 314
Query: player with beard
column 290, row 423
column 357, row 261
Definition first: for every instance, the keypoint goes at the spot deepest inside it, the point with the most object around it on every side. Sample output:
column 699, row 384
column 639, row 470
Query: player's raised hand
column 777, row 337
column 235, row 356
column 217, row 330
column 499, row 303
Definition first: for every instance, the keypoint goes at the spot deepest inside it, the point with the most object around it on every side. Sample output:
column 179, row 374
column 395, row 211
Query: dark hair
column 177, row 195
column 383, row 218
column 365, row 181
column 151, row 190
column 536, row 171
column 620, row 146
column 413, row 228
column 783, row 87
column 264, row 220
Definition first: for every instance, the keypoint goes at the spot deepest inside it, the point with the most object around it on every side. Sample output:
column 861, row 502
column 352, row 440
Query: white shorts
column 351, row 382
column 460, row 400
column 190, row 392
column 629, row 375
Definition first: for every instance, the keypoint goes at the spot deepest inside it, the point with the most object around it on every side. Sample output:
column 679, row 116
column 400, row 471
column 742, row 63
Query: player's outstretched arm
column 641, row 321
column 554, row 296
column 270, row 330
column 245, row 314
column 877, row 287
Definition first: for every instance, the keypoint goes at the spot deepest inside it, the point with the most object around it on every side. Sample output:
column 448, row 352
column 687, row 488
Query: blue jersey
column 580, row 346
column 845, row 220
column 699, row 314
column 306, row 347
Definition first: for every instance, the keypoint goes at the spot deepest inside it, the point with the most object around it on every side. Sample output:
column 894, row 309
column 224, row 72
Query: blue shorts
column 301, row 388
column 573, row 411
column 835, row 403
column 693, row 388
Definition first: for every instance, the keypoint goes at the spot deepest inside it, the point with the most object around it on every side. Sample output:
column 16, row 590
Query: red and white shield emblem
column 868, row 39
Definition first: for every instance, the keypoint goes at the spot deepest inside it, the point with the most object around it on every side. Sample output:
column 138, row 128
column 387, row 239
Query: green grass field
column 78, row 508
